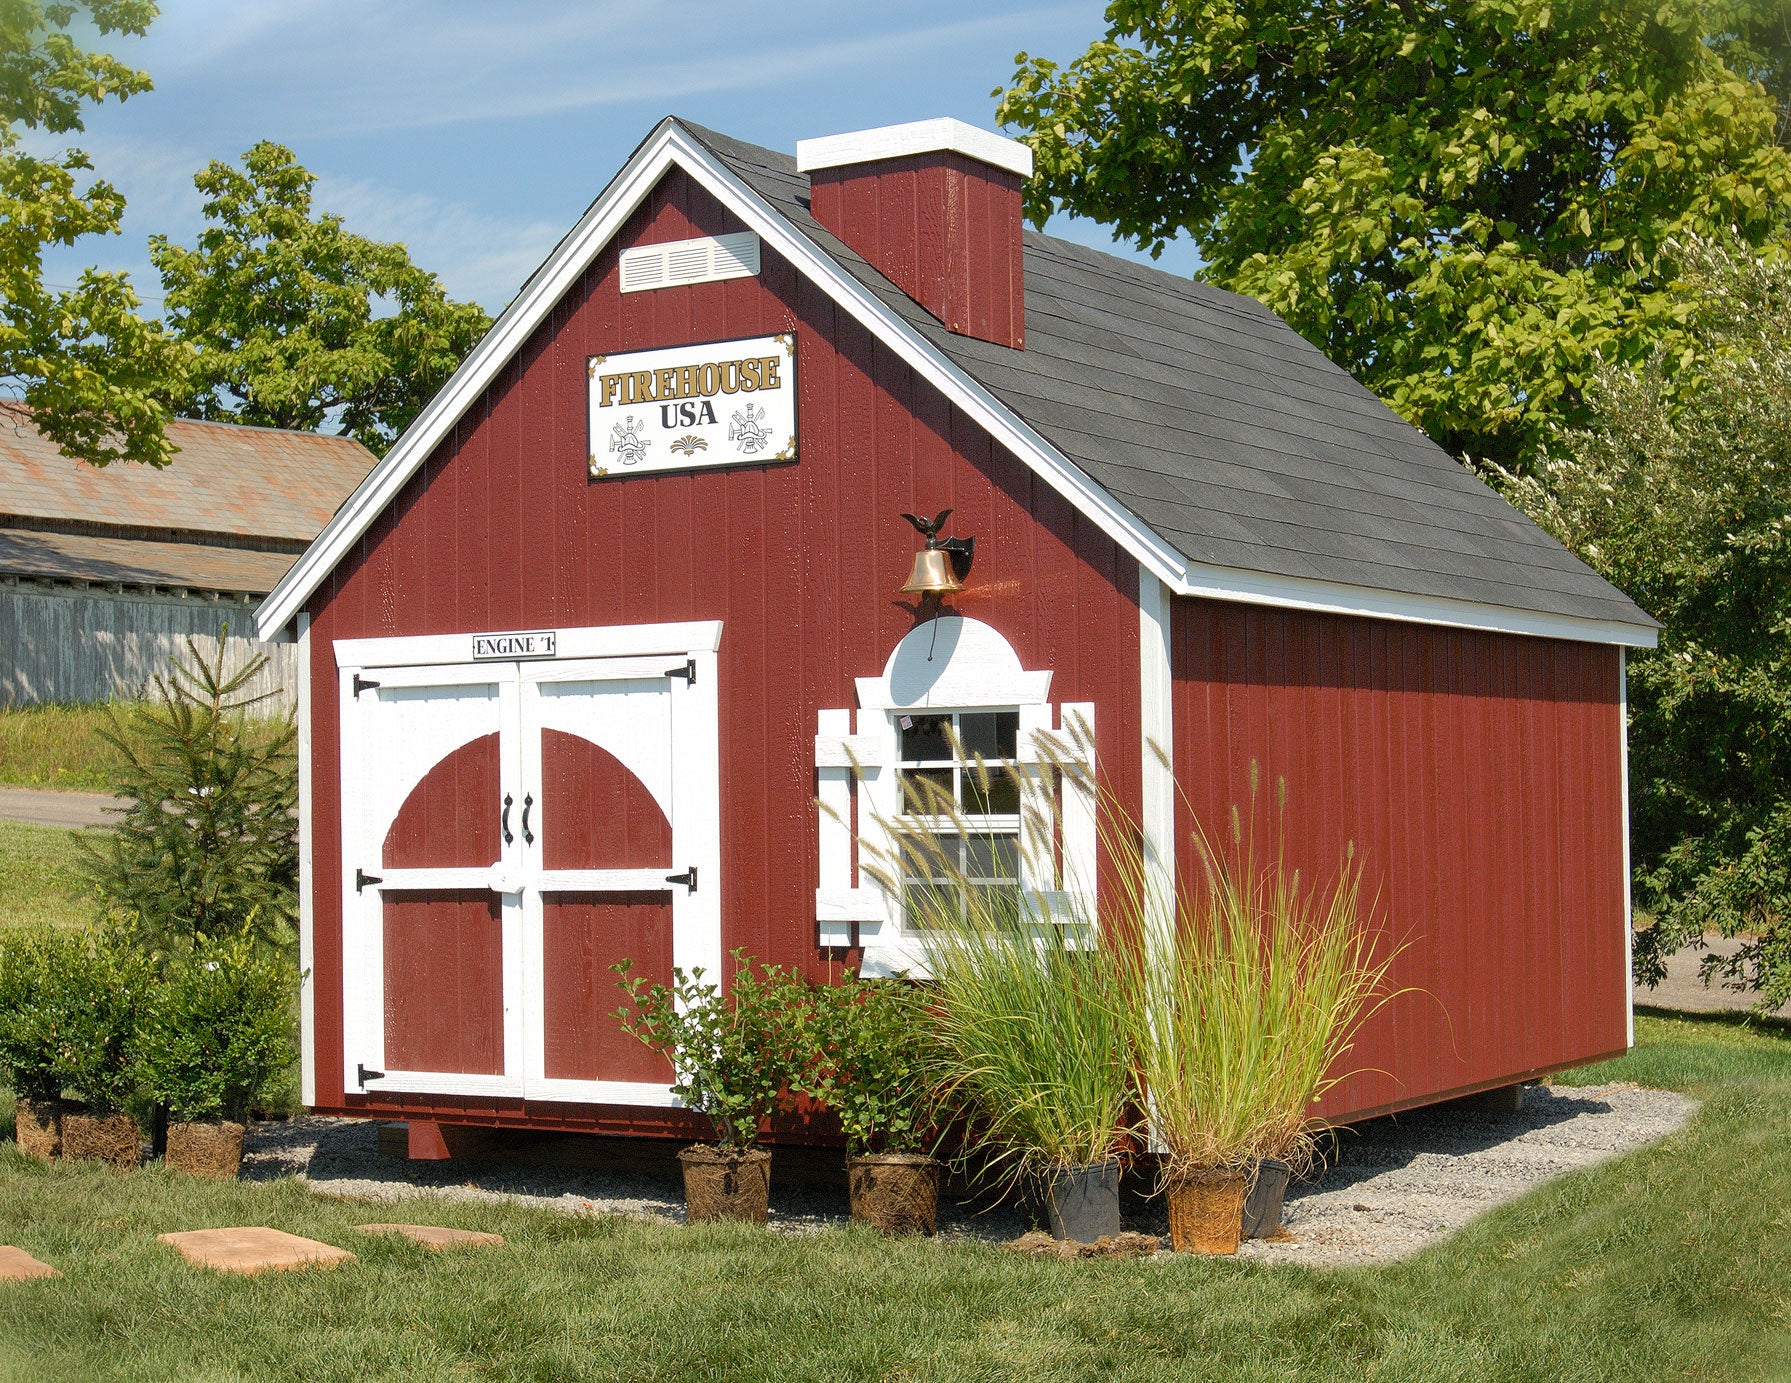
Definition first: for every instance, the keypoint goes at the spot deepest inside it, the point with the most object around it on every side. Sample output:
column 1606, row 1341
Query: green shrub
column 93, row 993
column 32, row 1015
column 871, row 1062
column 218, row 1032
column 733, row 1058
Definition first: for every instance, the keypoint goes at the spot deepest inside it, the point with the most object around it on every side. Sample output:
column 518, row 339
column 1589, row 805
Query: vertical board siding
column 444, row 981
column 1478, row 777
column 584, row 934
column 802, row 563
column 71, row 644
column 944, row 228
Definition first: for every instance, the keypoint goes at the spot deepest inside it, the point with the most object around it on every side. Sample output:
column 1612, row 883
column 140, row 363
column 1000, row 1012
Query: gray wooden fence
column 76, row 644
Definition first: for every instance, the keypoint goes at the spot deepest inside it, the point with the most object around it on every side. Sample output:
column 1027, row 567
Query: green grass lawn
column 1674, row 1262
column 37, row 877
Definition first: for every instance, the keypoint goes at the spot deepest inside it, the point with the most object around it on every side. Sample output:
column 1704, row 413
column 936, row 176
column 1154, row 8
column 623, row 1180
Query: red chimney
column 935, row 206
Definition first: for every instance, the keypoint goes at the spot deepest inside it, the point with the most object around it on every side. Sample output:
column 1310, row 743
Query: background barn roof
column 230, row 513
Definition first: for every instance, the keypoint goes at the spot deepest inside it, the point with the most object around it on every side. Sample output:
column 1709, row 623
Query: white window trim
column 971, row 668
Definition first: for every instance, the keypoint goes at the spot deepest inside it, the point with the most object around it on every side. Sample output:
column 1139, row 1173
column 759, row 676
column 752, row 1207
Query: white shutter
column 842, row 903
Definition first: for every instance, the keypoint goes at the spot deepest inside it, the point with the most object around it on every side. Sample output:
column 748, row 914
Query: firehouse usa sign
column 729, row 403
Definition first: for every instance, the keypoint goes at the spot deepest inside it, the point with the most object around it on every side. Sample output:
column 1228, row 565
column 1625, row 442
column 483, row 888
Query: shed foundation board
column 252, row 1249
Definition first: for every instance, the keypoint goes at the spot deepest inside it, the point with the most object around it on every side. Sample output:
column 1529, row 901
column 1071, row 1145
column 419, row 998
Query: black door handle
column 527, row 802
column 509, row 801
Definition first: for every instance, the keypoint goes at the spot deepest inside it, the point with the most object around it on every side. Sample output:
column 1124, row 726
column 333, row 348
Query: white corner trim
column 307, row 873
column 671, row 146
column 1629, row 922
column 917, row 137
column 1156, row 691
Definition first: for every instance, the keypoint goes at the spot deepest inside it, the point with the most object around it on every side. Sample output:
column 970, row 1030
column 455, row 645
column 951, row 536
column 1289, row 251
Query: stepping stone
column 252, row 1249
column 17, row 1266
column 435, row 1237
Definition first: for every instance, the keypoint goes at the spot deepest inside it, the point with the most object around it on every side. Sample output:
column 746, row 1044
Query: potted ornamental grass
column 216, row 1035
column 1239, row 1029
column 31, row 1021
column 870, row 1061
column 1026, row 1002
column 95, row 997
column 734, row 1059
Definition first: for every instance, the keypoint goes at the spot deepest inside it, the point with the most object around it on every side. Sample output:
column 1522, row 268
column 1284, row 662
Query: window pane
column 927, row 791
column 993, row 794
column 994, row 905
column 992, row 857
column 924, row 738
column 930, row 903
column 990, row 734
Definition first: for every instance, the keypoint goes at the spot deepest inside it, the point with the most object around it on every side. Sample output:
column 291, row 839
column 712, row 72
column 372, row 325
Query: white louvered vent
column 690, row 261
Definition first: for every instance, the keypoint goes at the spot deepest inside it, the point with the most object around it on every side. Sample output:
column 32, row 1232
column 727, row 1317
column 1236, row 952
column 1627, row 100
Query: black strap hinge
column 687, row 672
column 363, row 1075
column 361, row 880
column 362, row 684
column 688, row 878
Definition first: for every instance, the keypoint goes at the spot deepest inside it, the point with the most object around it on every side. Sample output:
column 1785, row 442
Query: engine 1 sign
column 729, row 403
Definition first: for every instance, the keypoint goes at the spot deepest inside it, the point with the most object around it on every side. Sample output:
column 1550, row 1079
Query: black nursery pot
column 1262, row 1207
column 1082, row 1203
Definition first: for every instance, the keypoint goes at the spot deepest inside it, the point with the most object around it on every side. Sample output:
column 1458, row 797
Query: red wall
column 1479, row 777
column 503, row 529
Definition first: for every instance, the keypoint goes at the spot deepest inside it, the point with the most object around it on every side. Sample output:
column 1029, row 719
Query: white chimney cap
column 919, row 137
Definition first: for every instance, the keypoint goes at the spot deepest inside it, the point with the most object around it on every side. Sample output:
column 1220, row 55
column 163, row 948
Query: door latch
column 687, row 672
column 363, row 1075
column 362, row 684
column 528, row 802
column 688, row 878
column 509, row 802
column 361, row 879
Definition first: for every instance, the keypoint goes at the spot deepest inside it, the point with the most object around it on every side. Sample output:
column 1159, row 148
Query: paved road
column 44, row 807
column 1684, row 989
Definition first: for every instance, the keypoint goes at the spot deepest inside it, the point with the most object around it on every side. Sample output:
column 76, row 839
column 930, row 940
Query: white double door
column 510, row 831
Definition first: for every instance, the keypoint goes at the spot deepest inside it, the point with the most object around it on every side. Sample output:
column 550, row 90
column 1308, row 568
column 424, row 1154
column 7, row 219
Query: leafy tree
column 1680, row 493
column 299, row 322
column 208, row 845
column 94, row 373
column 1467, row 203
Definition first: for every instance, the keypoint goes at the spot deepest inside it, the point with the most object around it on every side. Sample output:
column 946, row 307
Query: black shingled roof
column 1225, row 431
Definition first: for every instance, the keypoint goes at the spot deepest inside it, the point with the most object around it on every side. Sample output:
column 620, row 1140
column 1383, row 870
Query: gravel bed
column 1397, row 1185
column 1405, row 1182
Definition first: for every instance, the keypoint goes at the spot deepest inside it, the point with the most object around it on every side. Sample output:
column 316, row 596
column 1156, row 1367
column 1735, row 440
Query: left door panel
column 431, row 878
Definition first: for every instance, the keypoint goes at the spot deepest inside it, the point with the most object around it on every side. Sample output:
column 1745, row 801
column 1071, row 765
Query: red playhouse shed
column 582, row 653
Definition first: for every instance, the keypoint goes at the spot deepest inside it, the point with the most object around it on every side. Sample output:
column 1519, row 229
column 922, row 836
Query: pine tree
column 208, row 845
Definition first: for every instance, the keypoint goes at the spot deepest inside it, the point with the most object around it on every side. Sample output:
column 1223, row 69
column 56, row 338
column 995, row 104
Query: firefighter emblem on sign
column 748, row 431
column 626, row 441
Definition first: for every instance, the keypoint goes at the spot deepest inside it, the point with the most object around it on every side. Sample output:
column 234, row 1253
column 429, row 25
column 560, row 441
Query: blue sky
column 476, row 132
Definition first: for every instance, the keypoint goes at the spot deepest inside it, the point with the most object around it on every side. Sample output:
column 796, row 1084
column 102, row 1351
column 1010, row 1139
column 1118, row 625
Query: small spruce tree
column 208, row 845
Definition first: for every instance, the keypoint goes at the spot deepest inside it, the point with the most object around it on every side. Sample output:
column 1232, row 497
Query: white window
column 952, row 679
column 959, row 774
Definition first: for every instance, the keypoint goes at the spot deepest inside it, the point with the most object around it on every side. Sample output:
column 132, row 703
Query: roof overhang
column 671, row 146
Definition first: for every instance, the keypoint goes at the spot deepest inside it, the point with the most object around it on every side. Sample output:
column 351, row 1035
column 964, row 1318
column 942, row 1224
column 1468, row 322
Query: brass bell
column 932, row 574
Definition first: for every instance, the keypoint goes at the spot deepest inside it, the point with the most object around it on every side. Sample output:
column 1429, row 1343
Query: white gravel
column 1405, row 1182
column 1399, row 1183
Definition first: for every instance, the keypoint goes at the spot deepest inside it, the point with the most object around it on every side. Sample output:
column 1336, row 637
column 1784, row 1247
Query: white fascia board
column 917, row 137
column 1331, row 597
column 671, row 146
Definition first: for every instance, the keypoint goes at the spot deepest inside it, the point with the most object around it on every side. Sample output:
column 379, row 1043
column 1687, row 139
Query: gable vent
column 706, row 260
